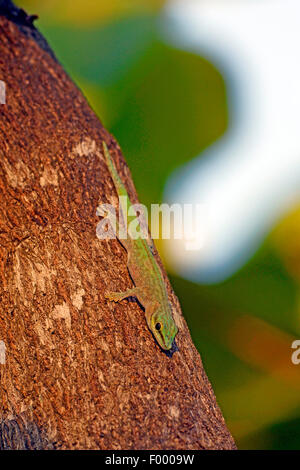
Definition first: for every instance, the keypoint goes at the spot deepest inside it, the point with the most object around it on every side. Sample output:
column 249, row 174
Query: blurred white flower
column 251, row 176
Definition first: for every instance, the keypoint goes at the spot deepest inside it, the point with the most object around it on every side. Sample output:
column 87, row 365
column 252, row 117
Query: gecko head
column 163, row 328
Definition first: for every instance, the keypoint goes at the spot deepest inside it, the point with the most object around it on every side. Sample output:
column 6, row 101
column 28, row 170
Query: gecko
column 149, row 287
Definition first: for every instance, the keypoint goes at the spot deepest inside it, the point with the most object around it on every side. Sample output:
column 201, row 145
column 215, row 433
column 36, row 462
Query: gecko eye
column 158, row 326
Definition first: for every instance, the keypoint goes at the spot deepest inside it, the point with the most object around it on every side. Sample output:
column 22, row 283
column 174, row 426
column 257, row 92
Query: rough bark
column 76, row 370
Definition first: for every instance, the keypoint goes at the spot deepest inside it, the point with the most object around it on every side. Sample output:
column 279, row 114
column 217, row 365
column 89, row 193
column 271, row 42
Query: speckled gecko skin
column 146, row 274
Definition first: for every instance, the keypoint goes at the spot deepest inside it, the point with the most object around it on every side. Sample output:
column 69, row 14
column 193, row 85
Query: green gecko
column 149, row 287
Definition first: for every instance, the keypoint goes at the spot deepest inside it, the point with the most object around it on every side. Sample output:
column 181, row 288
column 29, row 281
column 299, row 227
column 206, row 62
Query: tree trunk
column 77, row 371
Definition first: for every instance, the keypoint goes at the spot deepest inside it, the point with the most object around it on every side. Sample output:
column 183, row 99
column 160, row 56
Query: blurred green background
column 164, row 106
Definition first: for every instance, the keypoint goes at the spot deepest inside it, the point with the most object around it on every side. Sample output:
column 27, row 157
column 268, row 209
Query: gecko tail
column 119, row 185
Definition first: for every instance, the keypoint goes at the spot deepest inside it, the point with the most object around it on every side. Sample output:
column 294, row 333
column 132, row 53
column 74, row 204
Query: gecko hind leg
column 117, row 296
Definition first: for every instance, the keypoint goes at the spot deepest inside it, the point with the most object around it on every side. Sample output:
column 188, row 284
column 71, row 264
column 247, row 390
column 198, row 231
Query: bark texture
column 76, row 370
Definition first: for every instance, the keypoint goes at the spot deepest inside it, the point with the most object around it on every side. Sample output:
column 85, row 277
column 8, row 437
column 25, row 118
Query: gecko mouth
column 168, row 352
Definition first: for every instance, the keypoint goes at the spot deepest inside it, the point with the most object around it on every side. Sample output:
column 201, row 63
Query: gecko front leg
column 118, row 296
